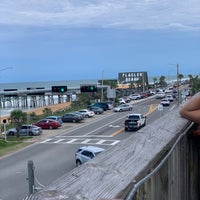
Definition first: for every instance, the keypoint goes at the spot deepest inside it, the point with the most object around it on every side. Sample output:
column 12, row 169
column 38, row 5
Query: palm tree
column 18, row 118
column 162, row 81
column 155, row 81
column 180, row 76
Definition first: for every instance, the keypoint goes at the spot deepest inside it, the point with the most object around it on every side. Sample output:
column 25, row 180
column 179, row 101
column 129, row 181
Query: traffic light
column 88, row 88
column 59, row 89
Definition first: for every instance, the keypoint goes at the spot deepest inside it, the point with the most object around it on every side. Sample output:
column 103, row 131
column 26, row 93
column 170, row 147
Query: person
column 191, row 111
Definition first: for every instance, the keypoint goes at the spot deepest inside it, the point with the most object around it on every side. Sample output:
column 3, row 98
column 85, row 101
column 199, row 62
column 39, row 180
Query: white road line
column 115, row 142
column 58, row 141
column 83, row 136
column 100, row 142
column 71, row 141
column 46, row 140
column 86, row 141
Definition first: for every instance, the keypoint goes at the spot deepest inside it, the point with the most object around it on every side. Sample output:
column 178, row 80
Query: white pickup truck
column 134, row 121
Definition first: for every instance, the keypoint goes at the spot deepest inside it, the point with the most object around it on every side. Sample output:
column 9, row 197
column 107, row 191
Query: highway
column 54, row 153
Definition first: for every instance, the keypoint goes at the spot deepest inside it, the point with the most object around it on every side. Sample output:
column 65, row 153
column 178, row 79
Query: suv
column 86, row 153
column 27, row 129
column 102, row 105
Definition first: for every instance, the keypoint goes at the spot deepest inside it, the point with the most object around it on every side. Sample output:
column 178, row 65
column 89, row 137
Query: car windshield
column 134, row 117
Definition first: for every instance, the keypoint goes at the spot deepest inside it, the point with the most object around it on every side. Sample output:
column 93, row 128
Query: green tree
column 155, row 81
column 162, row 81
column 180, row 77
column 17, row 118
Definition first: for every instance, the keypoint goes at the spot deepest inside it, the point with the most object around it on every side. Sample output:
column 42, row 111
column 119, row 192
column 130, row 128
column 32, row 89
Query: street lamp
column 5, row 68
column 102, row 86
column 177, row 82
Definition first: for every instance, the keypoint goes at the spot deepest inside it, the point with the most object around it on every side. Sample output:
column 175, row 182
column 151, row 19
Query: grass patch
column 12, row 144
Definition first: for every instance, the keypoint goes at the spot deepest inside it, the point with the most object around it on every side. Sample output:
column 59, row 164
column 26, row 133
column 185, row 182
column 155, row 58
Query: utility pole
column 178, row 91
column 102, row 86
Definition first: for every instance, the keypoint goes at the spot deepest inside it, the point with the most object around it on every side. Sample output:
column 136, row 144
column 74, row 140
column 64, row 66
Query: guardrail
column 115, row 172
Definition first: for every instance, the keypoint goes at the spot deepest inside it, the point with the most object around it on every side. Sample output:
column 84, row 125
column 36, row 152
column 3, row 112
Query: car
column 96, row 110
column 135, row 96
column 87, row 113
column 170, row 97
column 26, row 129
column 56, row 118
column 86, row 153
column 123, row 107
column 72, row 117
column 134, row 121
column 110, row 105
column 101, row 105
column 160, row 95
column 48, row 124
column 121, row 101
column 165, row 102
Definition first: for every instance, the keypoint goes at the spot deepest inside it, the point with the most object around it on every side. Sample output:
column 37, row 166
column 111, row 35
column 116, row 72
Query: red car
column 48, row 124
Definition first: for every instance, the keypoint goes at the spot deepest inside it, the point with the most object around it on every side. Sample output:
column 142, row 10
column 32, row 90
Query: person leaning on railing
column 191, row 111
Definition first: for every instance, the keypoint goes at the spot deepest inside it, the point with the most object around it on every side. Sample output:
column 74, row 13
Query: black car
column 96, row 110
column 71, row 117
column 102, row 105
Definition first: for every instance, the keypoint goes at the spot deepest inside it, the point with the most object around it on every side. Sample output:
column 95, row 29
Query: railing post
column 30, row 176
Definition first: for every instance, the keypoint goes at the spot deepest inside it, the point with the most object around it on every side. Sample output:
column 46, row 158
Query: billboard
column 133, row 77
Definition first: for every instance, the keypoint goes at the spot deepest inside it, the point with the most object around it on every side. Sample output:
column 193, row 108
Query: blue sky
column 51, row 40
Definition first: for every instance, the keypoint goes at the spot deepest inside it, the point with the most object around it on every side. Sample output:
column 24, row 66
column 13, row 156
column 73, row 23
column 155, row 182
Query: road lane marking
column 71, row 141
column 60, row 140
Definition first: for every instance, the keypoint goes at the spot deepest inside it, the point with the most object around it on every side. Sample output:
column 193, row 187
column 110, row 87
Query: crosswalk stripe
column 71, row 141
column 60, row 140
column 45, row 141
column 100, row 141
column 86, row 141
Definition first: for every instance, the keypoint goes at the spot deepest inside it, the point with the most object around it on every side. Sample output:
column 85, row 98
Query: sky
column 53, row 40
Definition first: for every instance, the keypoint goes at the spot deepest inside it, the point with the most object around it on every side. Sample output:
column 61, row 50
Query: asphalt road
column 53, row 153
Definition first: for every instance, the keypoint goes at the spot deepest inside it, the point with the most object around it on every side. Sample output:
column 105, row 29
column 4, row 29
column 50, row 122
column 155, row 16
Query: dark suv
column 102, row 105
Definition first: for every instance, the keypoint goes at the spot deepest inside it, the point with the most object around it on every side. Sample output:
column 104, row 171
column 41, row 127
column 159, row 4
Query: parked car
column 96, row 110
column 165, row 102
column 26, row 129
column 101, row 105
column 48, row 124
column 121, row 101
column 72, row 117
column 135, row 96
column 56, row 118
column 87, row 113
column 134, row 121
column 87, row 153
column 123, row 107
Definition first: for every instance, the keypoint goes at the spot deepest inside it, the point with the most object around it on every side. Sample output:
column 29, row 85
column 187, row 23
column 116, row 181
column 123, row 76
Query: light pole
column 5, row 68
column 102, row 86
column 177, row 83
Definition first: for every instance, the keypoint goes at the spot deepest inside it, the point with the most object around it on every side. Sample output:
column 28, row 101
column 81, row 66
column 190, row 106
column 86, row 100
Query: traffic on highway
column 54, row 152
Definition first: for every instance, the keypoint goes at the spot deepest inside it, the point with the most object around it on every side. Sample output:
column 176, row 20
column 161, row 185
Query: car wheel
column 73, row 120
column 126, row 129
column 78, row 163
column 30, row 134
column 11, row 133
column 87, row 116
column 97, row 113
column 50, row 127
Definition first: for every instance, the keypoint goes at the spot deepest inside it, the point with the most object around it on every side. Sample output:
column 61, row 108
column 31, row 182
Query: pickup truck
column 134, row 121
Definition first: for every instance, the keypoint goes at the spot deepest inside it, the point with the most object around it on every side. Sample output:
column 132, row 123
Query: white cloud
column 129, row 14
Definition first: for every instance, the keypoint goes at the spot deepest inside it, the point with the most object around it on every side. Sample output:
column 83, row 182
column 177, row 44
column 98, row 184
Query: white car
column 165, row 102
column 123, row 107
column 135, row 96
column 87, row 113
column 160, row 95
column 86, row 153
